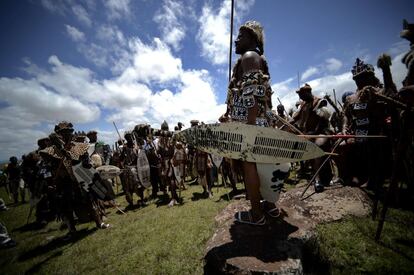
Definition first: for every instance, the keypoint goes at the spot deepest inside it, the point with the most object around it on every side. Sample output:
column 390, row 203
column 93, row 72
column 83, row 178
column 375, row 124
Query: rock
column 277, row 247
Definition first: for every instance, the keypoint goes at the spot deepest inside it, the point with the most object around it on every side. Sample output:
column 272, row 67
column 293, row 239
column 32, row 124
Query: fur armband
column 254, row 78
column 256, row 90
column 323, row 113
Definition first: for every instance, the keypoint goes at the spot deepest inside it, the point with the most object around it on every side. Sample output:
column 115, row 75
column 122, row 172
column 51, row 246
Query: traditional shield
column 250, row 143
column 108, row 171
column 91, row 149
column 143, row 169
column 83, row 175
column 272, row 178
column 217, row 160
column 177, row 173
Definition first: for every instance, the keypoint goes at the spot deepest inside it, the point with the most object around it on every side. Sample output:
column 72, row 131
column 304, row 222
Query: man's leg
column 324, row 175
column 253, row 189
column 154, row 181
column 14, row 189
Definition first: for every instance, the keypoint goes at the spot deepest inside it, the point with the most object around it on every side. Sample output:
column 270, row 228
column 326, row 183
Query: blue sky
column 97, row 61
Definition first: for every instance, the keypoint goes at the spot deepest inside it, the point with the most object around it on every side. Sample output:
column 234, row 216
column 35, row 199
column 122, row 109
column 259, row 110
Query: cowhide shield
column 272, row 178
column 143, row 169
column 108, row 171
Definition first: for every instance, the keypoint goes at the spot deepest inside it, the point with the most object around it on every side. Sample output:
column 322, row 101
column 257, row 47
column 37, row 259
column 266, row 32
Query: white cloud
column 214, row 32
column 117, row 9
column 82, row 15
column 116, row 94
column 309, row 72
column 42, row 104
column 333, row 64
column 68, row 80
column 188, row 95
column 18, row 141
column 55, row 6
column 91, row 4
column 111, row 34
column 69, row 7
column 195, row 96
column 110, row 50
column 30, row 105
column 168, row 20
column 75, row 34
column 241, row 7
column 152, row 63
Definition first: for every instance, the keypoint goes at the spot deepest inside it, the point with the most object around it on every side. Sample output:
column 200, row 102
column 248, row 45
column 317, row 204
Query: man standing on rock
column 249, row 101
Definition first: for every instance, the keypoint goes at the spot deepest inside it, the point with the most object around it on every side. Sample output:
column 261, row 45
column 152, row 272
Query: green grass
column 162, row 240
column 150, row 240
column 348, row 246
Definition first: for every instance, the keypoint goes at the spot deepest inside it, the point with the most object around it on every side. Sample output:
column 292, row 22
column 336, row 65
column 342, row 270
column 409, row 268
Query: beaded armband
column 253, row 85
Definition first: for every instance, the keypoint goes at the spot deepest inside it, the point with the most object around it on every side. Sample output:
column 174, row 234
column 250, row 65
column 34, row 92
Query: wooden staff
column 289, row 125
column 328, row 98
column 393, row 187
column 114, row 205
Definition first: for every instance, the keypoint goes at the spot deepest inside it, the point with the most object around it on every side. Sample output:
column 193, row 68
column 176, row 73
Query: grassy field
column 155, row 239
column 348, row 247
column 161, row 240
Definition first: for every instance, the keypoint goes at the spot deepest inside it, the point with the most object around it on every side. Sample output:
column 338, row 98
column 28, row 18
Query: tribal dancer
column 191, row 156
column 166, row 151
column 203, row 171
column 179, row 160
column 365, row 115
column 14, row 176
column 249, row 101
column 131, row 184
column 63, row 154
column 313, row 119
column 45, row 186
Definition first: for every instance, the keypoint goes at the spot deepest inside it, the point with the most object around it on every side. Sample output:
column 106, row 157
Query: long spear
column 116, row 128
column 231, row 37
column 334, row 94
column 341, row 136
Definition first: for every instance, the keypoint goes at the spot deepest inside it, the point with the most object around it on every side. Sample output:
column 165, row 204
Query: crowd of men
column 63, row 183
column 369, row 130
